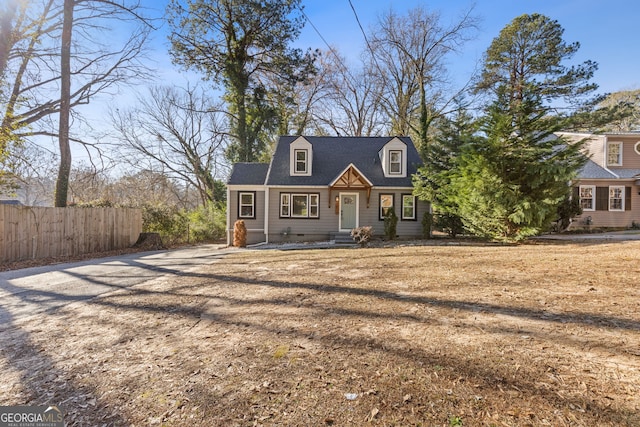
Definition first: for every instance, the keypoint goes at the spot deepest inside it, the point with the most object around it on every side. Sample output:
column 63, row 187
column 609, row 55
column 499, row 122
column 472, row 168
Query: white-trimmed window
column 285, row 205
column 614, row 154
column 299, row 205
column 588, row 197
column 246, row 205
column 408, row 207
column 395, row 162
column 386, row 204
column 301, row 157
column 636, row 147
column 616, row 198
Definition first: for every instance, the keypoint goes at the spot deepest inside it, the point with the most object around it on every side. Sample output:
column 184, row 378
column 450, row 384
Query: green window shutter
column 575, row 193
column 627, row 198
column 602, row 198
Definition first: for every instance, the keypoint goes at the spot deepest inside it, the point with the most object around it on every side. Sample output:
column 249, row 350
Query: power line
column 331, row 49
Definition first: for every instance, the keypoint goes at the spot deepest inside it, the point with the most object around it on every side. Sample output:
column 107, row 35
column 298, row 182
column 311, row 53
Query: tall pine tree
column 509, row 184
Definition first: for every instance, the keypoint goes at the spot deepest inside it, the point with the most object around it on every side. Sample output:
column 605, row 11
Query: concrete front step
column 342, row 239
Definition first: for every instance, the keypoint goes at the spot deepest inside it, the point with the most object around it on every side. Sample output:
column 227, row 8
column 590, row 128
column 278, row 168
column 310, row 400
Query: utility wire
column 331, row 49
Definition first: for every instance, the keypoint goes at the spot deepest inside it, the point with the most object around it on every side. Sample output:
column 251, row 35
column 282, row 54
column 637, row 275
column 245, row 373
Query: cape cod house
column 608, row 186
column 317, row 186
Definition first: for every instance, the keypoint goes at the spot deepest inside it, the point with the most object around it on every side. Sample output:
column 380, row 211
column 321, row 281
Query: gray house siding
column 255, row 226
column 301, row 229
column 321, row 228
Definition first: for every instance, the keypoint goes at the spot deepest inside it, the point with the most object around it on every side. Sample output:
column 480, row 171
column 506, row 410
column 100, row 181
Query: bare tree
column 30, row 96
column 176, row 132
column 354, row 107
column 30, row 170
column 409, row 54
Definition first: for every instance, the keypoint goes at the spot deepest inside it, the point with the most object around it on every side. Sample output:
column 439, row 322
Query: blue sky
column 606, row 29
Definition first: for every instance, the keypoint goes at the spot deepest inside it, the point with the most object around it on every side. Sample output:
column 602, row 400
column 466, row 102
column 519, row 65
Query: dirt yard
column 435, row 335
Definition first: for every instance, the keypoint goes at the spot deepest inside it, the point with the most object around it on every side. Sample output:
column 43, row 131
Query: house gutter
column 266, row 214
column 228, row 217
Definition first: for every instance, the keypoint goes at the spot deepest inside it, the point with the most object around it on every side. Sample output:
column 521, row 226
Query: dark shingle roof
column 331, row 156
column 592, row 170
column 248, row 174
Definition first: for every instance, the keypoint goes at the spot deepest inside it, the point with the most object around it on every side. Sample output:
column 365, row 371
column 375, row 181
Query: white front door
column 348, row 211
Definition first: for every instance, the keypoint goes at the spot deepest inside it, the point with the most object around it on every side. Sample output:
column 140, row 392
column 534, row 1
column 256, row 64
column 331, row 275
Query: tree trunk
column 62, row 183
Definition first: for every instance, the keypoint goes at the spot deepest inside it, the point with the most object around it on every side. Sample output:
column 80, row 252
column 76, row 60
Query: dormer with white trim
column 393, row 157
column 300, row 157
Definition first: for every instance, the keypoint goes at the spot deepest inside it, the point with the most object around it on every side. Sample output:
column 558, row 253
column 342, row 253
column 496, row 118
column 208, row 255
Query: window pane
column 246, row 211
column 613, row 157
column 284, row 205
column 299, row 207
column 395, row 162
column 313, row 205
column 586, row 197
column 246, row 199
column 616, row 195
column 301, row 161
column 408, row 211
column 386, row 203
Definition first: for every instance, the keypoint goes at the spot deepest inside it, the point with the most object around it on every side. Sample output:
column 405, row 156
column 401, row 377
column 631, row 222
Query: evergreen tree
column 241, row 45
column 432, row 182
column 509, row 184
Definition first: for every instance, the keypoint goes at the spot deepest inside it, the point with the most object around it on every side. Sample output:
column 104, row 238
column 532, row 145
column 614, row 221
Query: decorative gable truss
column 351, row 179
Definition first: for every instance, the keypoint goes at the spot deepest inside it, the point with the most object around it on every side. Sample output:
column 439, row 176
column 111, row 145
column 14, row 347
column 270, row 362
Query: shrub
column 171, row 223
column 175, row 226
column 390, row 224
column 207, row 223
column 362, row 235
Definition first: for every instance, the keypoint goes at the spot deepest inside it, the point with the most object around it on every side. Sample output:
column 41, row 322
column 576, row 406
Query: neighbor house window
column 408, row 206
column 614, row 154
column 299, row 205
column 246, row 205
column 616, row 198
column 386, row 204
column 588, row 197
column 395, row 162
column 300, row 161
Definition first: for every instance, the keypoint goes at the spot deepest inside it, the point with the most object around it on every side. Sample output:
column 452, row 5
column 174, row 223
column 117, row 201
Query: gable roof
column 332, row 155
column 248, row 174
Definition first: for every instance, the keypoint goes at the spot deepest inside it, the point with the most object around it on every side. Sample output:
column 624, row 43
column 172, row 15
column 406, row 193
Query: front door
column 348, row 211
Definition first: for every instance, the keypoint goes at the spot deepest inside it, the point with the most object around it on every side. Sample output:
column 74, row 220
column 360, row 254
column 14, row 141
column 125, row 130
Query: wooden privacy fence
column 31, row 232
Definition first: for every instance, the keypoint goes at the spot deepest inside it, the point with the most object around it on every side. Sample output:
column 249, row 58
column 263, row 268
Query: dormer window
column 393, row 158
column 300, row 157
column 301, row 161
column 395, row 162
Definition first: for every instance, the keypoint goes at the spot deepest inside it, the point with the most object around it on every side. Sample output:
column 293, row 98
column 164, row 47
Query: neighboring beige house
column 317, row 187
column 608, row 186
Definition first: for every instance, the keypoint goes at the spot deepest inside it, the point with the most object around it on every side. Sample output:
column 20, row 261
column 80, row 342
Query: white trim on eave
column 246, row 187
